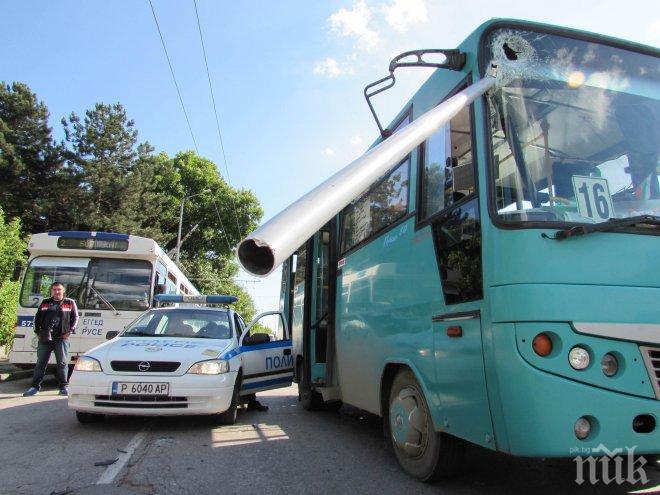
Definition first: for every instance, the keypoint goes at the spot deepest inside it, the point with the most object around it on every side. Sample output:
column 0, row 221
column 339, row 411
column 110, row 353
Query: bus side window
column 170, row 283
column 448, row 167
column 385, row 202
column 448, row 178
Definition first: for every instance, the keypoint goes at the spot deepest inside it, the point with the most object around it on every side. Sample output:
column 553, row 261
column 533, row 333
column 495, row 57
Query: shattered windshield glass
column 575, row 129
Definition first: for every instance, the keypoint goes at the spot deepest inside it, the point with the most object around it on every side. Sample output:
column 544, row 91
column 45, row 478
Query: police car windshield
column 182, row 322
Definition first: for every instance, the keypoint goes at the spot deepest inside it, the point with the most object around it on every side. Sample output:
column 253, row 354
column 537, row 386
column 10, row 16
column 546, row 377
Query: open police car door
column 267, row 359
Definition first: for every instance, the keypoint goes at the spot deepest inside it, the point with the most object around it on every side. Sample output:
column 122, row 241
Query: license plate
column 140, row 388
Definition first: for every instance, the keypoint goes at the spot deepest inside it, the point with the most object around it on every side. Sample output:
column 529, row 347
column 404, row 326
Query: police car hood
column 170, row 349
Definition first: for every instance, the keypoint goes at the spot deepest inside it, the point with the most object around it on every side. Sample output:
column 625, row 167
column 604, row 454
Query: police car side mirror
column 111, row 334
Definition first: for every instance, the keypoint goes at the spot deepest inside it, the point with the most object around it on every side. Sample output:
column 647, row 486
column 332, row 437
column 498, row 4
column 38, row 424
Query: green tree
column 12, row 249
column 224, row 214
column 32, row 173
column 102, row 151
column 211, row 277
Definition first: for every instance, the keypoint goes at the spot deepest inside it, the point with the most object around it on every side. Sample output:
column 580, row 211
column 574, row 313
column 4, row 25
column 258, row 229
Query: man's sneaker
column 31, row 391
column 64, row 391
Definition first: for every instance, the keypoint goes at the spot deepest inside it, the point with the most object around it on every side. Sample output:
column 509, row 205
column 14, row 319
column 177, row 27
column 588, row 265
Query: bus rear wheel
column 422, row 452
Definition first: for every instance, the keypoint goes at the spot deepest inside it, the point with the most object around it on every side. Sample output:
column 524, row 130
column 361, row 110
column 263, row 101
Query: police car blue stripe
column 266, row 383
column 249, row 348
column 267, row 345
column 231, row 354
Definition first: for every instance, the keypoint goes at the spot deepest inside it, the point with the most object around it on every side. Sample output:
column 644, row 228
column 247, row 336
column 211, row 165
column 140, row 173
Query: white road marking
column 112, row 471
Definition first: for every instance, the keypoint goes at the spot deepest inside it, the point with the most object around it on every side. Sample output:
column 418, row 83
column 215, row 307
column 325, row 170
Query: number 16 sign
column 593, row 197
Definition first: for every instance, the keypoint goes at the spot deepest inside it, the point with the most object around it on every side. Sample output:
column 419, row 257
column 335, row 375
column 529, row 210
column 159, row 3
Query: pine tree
column 32, row 175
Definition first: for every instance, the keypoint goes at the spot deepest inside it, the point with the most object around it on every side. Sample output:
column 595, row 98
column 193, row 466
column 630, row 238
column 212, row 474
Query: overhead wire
column 217, row 120
column 185, row 113
column 217, row 212
column 176, row 85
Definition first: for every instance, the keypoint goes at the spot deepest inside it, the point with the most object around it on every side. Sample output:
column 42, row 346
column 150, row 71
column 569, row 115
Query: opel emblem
column 144, row 366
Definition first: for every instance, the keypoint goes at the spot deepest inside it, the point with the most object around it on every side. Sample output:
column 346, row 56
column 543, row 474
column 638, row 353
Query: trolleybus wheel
column 421, row 451
column 86, row 418
column 229, row 416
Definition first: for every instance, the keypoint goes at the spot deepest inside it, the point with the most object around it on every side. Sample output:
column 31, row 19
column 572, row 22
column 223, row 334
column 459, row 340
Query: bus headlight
column 86, row 363
column 609, row 364
column 211, row 367
column 579, row 358
column 582, row 428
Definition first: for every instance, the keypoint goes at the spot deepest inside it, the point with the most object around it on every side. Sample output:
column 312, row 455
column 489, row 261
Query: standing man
column 56, row 318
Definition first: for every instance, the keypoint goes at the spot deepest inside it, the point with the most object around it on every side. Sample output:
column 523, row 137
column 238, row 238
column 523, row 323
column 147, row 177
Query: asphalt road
column 44, row 450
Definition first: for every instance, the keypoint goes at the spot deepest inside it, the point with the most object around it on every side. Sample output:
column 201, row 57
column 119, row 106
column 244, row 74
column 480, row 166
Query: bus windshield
column 95, row 283
column 44, row 270
column 188, row 323
column 575, row 129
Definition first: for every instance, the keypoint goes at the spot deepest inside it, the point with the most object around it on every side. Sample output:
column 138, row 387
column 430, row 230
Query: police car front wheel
column 229, row 416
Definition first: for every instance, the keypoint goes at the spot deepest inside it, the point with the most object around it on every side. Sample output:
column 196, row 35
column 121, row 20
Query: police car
column 193, row 358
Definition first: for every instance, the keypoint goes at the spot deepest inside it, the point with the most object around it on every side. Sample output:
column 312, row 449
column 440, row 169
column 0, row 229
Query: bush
column 8, row 310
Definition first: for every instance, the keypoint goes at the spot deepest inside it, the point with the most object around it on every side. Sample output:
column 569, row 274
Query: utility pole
column 178, row 238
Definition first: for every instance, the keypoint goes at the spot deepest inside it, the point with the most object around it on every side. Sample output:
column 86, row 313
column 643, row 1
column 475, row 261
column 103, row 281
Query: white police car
column 181, row 360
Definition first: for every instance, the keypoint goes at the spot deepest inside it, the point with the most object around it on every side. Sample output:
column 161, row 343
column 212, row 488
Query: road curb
column 15, row 375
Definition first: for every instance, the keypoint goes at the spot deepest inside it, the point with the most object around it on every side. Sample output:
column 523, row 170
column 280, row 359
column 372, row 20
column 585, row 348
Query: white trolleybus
column 112, row 277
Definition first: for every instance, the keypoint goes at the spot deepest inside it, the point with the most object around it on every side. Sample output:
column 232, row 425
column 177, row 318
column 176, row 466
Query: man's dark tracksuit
column 53, row 323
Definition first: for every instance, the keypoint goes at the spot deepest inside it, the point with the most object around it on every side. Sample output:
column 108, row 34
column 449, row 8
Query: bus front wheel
column 421, row 451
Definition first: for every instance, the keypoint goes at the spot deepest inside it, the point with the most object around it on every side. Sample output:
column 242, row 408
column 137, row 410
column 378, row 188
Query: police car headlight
column 86, row 363
column 212, row 367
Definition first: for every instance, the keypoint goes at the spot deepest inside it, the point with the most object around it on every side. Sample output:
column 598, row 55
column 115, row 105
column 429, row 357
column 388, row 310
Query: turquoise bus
column 500, row 284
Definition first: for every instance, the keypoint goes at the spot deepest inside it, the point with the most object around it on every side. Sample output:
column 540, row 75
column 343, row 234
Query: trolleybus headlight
column 542, row 345
column 579, row 358
column 609, row 364
column 211, row 367
column 86, row 363
column 582, row 428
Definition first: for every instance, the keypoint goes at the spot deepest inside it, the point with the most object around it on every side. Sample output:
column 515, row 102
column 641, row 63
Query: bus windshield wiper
column 103, row 299
column 612, row 225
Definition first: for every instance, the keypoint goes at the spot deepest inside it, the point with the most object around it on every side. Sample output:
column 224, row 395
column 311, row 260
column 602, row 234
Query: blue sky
column 288, row 76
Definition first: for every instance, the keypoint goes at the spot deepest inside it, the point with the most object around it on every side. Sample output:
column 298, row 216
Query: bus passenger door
column 450, row 203
column 267, row 359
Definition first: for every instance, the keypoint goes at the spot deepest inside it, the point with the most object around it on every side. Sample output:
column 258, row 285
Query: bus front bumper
column 538, row 411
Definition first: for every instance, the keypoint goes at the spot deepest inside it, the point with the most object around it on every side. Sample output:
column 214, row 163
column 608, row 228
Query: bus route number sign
column 593, row 197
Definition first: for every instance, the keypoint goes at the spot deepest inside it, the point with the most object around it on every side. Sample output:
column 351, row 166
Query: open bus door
column 310, row 300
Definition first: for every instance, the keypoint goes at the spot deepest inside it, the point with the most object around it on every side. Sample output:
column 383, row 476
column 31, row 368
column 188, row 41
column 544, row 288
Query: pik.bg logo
column 607, row 466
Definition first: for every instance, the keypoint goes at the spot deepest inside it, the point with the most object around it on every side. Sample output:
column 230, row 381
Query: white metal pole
column 272, row 243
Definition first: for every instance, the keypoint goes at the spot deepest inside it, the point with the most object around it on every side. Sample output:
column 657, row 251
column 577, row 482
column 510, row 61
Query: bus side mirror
column 111, row 334
column 18, row 268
